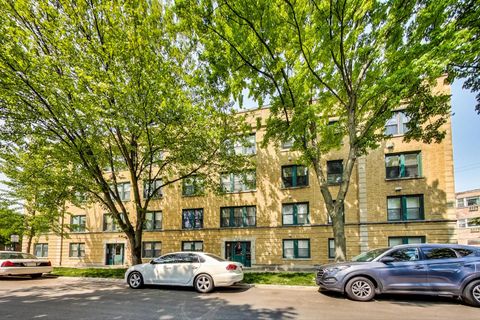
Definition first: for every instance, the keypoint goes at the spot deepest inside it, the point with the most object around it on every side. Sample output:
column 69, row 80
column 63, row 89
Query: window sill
column 190, row 229
column 152, row 230
column 334, row 184
column 404, row 178
column 297, row 225
column 192, row 195
column 237, row 192
column 406, row 221
column 293, row 188
column 297, row 259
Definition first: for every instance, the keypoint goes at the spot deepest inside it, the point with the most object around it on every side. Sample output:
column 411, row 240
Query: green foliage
column 11, row 222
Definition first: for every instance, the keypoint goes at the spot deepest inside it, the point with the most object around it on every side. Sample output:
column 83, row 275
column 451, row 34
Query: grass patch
column 90, row 272
column 279, row 278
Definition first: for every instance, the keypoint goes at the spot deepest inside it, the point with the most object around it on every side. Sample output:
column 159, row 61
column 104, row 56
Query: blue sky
column 466, row 139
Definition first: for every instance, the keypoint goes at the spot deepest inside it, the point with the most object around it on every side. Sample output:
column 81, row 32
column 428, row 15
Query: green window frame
column 193, row 186
column 294, row 176
column 397, row 124
column 153, row 188
column 78, row 223
column 76, row 250
column 109, row 223
column 331, row 248
column 240, row 217
column 41, row 250
column 153, row 220
column 192, row 218
column 296, row 248
column 403, row 165
column 334, row 171
column 123, row 190
column 405, row 208
column 294, row 214
column 192, row 246
column 151, row 249
column 242, row 146
column 394, row 241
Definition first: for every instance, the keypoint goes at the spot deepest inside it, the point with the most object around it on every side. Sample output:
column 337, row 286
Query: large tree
column 333, row 71
column 11, row 223
column 117, row 94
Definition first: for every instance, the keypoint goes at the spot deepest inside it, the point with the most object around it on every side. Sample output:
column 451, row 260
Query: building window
column 123, row 190
column 461, row 203
column 469, row 223
column 152, row 188
column 331, row 248
column 244, row 146
column 397, row 124
column 192, row 218
column 153, row 220
column 295, row 214
column 329, row 219
column 41, row 250
column 405, row 165
column 192, row 245
column 238, row 182
column 472, row 201
column 405, row 208
column 287, row 144
column 77, row 250
column 77, row 223
column 151, row 249
column 238, row 216
column 296, row 249
column 395, row 241
column 294, row 176
column 109, row 223
column 334, row 171
column 193, row 186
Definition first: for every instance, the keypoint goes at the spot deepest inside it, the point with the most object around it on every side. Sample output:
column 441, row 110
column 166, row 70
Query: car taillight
column 49, row 263
column 232, row 267
column 8, row 264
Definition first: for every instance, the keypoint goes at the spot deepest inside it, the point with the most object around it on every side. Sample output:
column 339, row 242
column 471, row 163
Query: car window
column 406, row 254
column 369, row 255
column 16, row 255
column 439, row 253
column 187, row 258
column 464, row 252
column 169, row 258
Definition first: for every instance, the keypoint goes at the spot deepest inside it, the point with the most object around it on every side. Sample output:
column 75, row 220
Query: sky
column 466, row 139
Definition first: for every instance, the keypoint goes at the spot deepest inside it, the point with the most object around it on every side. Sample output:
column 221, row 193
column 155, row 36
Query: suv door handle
column 419, row 267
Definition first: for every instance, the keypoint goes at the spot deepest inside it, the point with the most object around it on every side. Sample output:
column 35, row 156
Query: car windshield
column 369, row 255
column 16, row 255
column 214, row 257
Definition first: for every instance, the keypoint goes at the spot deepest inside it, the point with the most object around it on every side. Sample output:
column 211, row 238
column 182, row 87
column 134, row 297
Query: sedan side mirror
column 387, row 259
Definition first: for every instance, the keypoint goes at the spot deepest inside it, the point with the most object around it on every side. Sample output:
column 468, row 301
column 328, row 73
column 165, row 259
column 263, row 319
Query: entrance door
column 115, row 253
column 239, row 251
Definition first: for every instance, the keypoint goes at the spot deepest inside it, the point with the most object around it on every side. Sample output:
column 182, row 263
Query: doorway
column 239, row 251
column 115, row 254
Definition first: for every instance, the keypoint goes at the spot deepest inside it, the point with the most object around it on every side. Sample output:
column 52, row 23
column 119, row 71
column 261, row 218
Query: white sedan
column 14, row 263
column 203, row 271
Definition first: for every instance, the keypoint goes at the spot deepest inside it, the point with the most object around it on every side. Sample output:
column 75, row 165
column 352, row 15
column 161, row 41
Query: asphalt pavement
column 82, row 298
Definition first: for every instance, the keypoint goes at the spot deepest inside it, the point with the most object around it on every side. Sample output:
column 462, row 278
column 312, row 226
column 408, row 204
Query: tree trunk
column 135, row 243
column 339, row 234
column 30, row 238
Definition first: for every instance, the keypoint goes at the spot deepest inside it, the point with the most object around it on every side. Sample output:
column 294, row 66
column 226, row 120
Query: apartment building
column 468, row 216
column 276, row 217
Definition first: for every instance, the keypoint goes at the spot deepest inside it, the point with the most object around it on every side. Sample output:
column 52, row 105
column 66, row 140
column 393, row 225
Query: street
column 76, row 298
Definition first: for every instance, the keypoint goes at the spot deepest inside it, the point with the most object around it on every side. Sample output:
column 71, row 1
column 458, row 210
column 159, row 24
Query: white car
column 14, row 263
column 203, row 271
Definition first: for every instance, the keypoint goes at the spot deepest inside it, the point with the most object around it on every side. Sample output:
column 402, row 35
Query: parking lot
column 76, row 298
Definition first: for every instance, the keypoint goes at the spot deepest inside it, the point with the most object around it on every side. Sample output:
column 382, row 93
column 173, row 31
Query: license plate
column 30, row 264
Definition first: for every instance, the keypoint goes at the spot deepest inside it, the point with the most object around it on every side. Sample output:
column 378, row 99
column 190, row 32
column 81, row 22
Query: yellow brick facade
column 366, row 227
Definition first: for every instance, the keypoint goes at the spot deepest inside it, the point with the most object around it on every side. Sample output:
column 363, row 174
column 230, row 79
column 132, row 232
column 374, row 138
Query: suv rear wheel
column 360, row 289
column 471, row 293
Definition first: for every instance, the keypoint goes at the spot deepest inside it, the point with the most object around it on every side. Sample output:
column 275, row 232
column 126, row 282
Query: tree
column 11, row 222
column 118, row 96
column 333, row 71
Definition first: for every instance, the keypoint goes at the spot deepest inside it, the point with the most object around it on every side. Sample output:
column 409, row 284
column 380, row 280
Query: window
column 192, row 245
column 439, row 253
column 462, row 223
column 77, row 223
column 469, row 223
column 395, row 241
column 329, row 219
column 238, row 182
column 109, row 223
column 331, row 248
column 153, row 220
column 460, row 203
column 397, row 124
column 334, row 171
column 295, row 214
column 123, row 190
column 404, row 208
column 405, row 165
column 472, row 201
column 405, row 254
column 41, row 250
column 193, row 185
column 151, row 249
column 153, row 189
column 294, row 176
column 192, row 218
column 238, row 216
column 77, row 250
column 287, row 144
column 243, row 146
column 296, row 249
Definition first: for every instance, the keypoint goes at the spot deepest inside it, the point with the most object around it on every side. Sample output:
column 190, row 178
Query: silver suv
column 432, row 269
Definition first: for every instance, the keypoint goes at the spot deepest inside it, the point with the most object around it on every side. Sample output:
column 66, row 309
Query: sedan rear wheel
column 204, row 283
column 360, row 289
column 471, row 294
column 135, row 280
